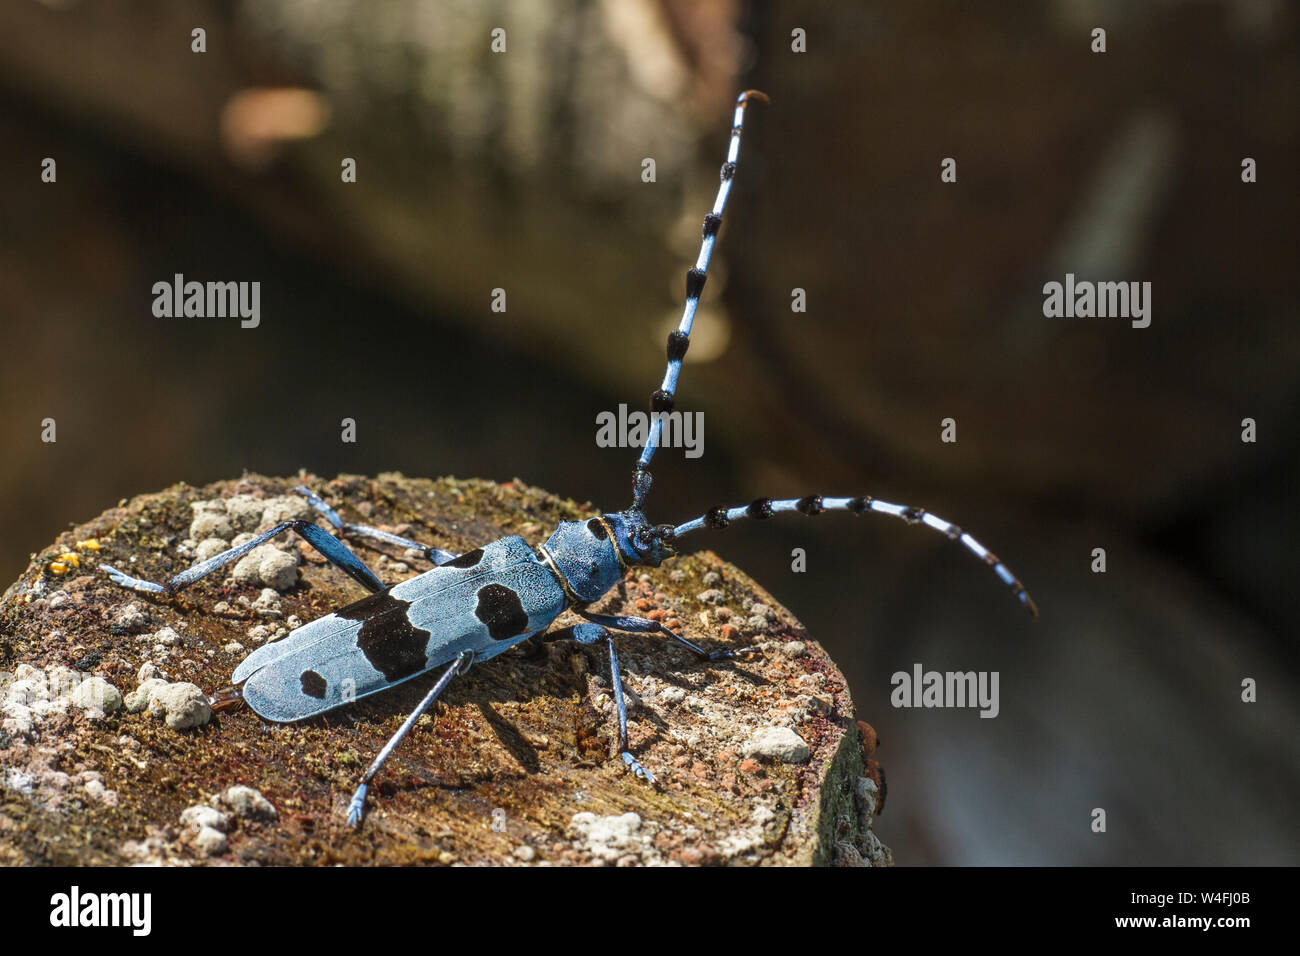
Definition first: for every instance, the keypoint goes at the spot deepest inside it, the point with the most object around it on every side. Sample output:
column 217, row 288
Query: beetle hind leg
column 331, row 547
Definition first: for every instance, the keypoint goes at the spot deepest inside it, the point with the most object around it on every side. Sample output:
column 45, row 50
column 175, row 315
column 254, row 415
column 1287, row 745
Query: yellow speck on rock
column 65, row 562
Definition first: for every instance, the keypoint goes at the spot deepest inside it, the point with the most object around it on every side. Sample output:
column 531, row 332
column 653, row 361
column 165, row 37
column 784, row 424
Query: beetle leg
column 335, row 550
column 356, row 806
column 595, row 634
column 436, row 555
column 641, row 625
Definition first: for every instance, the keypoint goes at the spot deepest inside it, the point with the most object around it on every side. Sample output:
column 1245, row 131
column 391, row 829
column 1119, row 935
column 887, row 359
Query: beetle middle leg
column 435, row 555
column 356, row 806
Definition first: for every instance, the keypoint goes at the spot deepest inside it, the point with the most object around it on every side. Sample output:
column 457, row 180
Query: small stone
column 869, row 794
column 245, row 511
column 138, row 700
column 209, row 841
column 96, row 693
column 279, row 569
column 248, row 803
column 711, row 596
column 777, row 743
column 18, row 720
column 712, row 578
column 26, row 690
column 268, row 566
column 148, row 671
column 793, row 649
column 202, row 815
column 268, row 600
column 209, row 548
column 210, row 521
column 672, row 695
column 525, row 853
column 182, row 705
column 131, row 619
column 607, row 838
column 815, row 703
column 166, row 636
column 284, row 508
column 96, row 790
column 757, row 623
column 234, row 647
column 749, row 765
column 258, row 633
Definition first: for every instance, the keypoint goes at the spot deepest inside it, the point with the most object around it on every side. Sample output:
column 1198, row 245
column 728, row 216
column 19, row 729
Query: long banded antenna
column 661, row 400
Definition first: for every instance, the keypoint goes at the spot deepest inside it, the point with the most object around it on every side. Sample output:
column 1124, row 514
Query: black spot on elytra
column 712, row 223
column 501, row 610
column 466, row 560
column 760, row 509
column 661, row 401
column 391, row 643
column 597, row 527
column 728, row 170
column 859, row 505
column 313, row 685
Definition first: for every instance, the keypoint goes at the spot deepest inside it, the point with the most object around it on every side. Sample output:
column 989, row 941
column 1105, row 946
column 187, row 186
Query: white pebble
column 777, row 743
column 246, row 802
column 95, row 693
column 182, row 705
column 139, row 699
column 202, row 815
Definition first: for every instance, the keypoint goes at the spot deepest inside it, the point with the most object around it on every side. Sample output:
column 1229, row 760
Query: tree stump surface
column 516, row 765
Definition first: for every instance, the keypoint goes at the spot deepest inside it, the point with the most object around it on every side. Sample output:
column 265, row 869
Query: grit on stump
column 517, row 763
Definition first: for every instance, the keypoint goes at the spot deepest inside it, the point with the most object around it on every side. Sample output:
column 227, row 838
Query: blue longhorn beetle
column 472, row 607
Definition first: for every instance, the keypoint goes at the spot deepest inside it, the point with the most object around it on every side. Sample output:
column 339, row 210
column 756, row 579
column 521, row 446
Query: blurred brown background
column 522, row 171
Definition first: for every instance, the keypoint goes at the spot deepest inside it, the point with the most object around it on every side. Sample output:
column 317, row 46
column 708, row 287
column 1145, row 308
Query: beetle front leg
column 595, row 634
column 642, row 625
